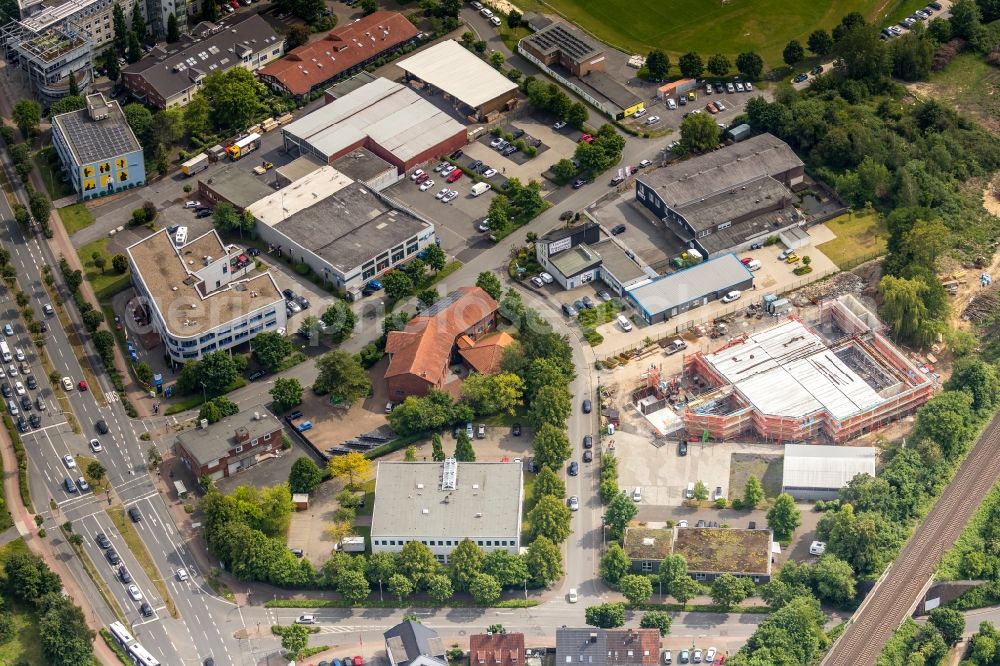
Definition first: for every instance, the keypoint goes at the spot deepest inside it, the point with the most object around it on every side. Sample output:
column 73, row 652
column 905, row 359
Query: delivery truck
column 244, row 146
column 197, row 163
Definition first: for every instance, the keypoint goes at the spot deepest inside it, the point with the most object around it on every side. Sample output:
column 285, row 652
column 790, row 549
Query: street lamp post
column 525, row 589
column 204, row 393
column 380, row 590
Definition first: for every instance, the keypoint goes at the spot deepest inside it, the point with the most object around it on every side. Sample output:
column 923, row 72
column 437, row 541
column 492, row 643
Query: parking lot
column 651, row 243
column 670, row 119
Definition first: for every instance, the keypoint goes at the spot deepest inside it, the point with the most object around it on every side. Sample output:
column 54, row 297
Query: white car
column 67, row 384
column 416, row 174
column 450, row 196
column 640, row 113
column 12, row 370
column 720, row 106
column 682, row 523
column 442, row 193
column 306, row 619
column 710, row 655
column 134, row 592
column 486, row 12
column 817, row 548
column 448, row 169
column 671, row 104
column 495, row 20
column 495, row 143
column 484, row 225
column 645, row 163
column 574, row 503
column 637, row 494
column 69, row 462
column 182, row 574
column 537, row 281
column 731, row 296
column 559, row 124
column 489, row 173
column 572, row 596
column 652, row 120
column 427, row 184
column 293, row 307
column 192, row 204
column 748, row 86
column 546, row 278
column 19, row 355
column 95, row 446
column 440, row 166
column 696, row 656
column 739, row 87
column 19, row 388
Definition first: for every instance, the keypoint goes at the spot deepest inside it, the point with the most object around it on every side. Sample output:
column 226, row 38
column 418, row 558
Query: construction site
column 829, row 379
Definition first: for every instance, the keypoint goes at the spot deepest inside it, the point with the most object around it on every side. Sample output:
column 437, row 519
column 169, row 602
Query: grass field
column 859, row 235
column 107, row 283
column 712, row 26
column 75, row 217
column 50, row 168
column 968, row 84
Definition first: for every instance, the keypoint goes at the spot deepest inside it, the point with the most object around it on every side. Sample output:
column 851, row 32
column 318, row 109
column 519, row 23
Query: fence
column 663, row 335
column 857, row 261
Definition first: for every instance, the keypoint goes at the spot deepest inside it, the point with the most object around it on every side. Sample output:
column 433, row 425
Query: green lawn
column 859, row 235
column 50, row 168
column 710, row 26
column 968, row 84
column 108, row 283
column 75, row 217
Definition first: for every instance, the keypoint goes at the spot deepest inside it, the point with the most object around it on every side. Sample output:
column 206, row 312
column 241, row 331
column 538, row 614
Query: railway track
column 890, row 601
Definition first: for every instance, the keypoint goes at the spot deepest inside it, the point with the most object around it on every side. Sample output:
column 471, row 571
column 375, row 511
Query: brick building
column 496, row 649
column 223, row 448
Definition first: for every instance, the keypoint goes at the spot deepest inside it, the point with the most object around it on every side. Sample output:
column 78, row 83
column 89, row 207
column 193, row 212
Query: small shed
column 794, row 238
column 739, row 133
column 301, row 501
column 675, row 88
column 182, row 491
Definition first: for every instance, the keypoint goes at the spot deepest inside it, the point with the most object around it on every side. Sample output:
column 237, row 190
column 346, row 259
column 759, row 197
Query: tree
column 463, row 448
column 294, row 639
column 863, row 56
column 352, row 465
column 550, row 405
column 753, row 493
column 750, row 65
column 27, row 115
column 718, row 64
column 833, row 579
column 544, row 562
column 548, row 482
column 979, row 379
column 965, row 18
column 173, row 30
column 563, row 170
column 497, row 59
column 133, row 53
column 940, row 30
column 369, row 7
column 64, row 105
column 903, row 308
column 297, row 36
column 100, row 261
column 400, row 586
column 121, row 30
column 657, row 64
column 550, row 518
column 485, row 589
column 700, row 491
column 729, row 591
column 466, row 562
column 140, row 120
column 912, row 56
column 950, row 622
column 353, row 586
column 793, row 53
column 96, row 471
column 270, row 349
column 437, row 450
column 213, row 374
column 286, row 393
column 490, row 283
column 684, row 589
column 119, row 263
column 947, row 419
column 783, row 517
column 416, row 562
column 656, row 620
column 439, row 587
column 340, row 320
column 820, row 43
column 305, row 476
column 577, row 115
column 513, row 19
column 197, row 116
column 691, row 65
column 637, row 589
column 500, row 213
column 620, row 511
column 153, row 458
column 605, row 616
column 552, row 447
column 40, row 207
column 672, row 568
column 493, row 394
column 699, row 133
column 397, row 285
column 92, row 320
column 234, row 97
column 615, row 563
column 110, row 59
column 342, row 375
column 138, row 22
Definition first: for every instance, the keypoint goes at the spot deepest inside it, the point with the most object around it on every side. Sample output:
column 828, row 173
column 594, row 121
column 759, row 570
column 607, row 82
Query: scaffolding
column 856, row 365
column 49, row 57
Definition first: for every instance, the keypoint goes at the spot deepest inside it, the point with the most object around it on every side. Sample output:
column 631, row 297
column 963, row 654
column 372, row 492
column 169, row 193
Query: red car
column 587, row 138
column 82, row 385
column 358, row 661
column 719, row 660
column 421, row 178
column 747, row 260
column 234, row 4
column 454, row 175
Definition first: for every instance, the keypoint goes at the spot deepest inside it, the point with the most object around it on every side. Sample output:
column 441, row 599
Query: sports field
column 710, row 26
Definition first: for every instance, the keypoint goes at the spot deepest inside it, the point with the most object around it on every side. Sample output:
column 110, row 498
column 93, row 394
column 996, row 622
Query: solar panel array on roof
column 561, row 38
column 94, row 141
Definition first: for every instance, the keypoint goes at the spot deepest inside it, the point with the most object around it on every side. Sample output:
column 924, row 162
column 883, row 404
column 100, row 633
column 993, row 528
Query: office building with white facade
column 440, row 504
column 200, row 295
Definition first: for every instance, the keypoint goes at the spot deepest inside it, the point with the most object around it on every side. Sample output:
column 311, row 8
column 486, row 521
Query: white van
column 689, row 493
column 624, row 323
column 671, row 104
column 754, row 265
column 181, row 236
column 480, row 188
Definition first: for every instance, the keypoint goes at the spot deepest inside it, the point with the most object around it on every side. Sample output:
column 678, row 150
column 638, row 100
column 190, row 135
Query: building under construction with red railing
column 834, row 380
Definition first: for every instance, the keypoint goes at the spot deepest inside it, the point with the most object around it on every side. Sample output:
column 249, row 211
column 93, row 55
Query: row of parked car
column 919, row 15
column 696, row 656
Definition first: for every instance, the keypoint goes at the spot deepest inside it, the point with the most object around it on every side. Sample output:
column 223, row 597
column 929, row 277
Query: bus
column 140, row 656
column 121, row 634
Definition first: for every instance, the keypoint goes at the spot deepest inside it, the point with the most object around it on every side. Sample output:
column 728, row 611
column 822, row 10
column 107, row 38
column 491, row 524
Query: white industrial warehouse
column 816, row 471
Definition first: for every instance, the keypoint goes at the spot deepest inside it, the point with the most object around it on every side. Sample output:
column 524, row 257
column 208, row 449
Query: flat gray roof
column 765, row 224
column 237, row 185
column 409, row 501
column 350, row 227
column 718, row 170
column 818, row 466
column 208, row 444
column 758, row 193
column 715, row 275
column 96, row 140
column 361, row 164
column 452, row 68
column 575, row 260
column 615, row 261
column 607, row 87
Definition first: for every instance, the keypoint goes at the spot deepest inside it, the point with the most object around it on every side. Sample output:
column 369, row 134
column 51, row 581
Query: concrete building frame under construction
column 835, row 380
column 49, row 57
